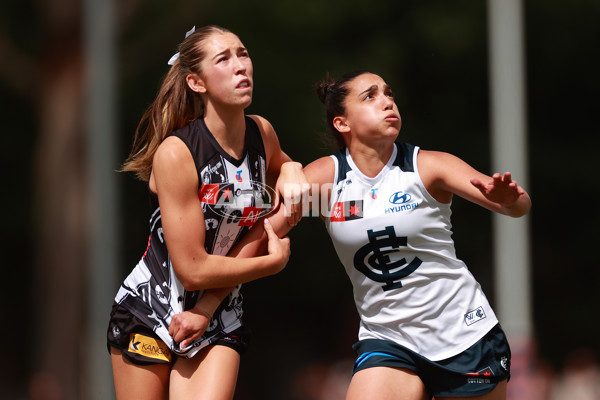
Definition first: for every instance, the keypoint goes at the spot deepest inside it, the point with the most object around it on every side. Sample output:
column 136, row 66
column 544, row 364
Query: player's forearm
column 256, row 244
column 245, row 262
column 208, row 303
column 220, row 271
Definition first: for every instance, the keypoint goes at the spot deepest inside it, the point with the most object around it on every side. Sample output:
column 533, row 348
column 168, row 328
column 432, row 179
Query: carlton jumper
column 395, row 242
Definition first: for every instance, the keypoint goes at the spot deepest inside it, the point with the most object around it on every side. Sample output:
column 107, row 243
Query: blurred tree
column 50, row 74
column 46, row 67
column 433, row 54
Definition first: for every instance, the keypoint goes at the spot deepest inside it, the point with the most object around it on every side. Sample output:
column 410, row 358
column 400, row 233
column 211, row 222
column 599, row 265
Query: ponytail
column 175, row 106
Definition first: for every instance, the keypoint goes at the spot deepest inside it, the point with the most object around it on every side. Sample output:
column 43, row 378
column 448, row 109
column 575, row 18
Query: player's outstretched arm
column 444, row 175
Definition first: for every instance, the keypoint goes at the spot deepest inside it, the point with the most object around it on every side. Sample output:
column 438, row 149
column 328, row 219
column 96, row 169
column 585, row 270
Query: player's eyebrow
column 370, row 89
column 222, row 53
column 228, row 51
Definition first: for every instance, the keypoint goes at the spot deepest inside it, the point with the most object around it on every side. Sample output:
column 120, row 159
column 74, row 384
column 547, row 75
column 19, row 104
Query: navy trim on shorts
column 474, row 372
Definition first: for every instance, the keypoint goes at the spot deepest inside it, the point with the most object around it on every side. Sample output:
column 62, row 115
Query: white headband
column 176, row 55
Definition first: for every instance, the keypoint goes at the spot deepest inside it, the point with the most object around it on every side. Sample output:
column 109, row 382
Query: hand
column 294, row 187
column 278, row 248
column 188, row 326
column 501, row 189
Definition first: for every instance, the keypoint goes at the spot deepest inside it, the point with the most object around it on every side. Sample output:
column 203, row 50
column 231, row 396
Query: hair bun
column 323, row 88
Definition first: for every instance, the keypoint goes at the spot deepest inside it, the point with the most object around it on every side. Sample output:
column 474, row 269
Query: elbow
column 195, row 282
column 190, row 281
column 291, row 165
column 190, row 284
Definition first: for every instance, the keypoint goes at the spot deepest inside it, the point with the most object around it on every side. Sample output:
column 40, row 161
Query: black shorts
column 139, row 344
column 474, row 372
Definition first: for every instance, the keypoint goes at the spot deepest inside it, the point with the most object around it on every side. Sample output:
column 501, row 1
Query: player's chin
column 392, row 132
column 245, row 101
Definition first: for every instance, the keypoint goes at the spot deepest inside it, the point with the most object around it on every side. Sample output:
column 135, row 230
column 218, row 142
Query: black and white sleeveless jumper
column 233, row 196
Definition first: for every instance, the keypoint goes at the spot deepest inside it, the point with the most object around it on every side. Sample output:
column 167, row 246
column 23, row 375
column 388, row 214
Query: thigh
column 134, row 381
column 211, row 374
column 385, row 383
column 499, row 393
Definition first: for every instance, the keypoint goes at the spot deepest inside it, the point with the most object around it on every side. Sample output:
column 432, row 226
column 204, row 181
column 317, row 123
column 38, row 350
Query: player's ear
column 195, row 83
column 341, row 124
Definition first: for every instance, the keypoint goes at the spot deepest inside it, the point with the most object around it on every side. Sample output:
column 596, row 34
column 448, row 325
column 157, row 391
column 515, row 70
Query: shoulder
column 437, row 162
column 270, row 140
column 172, row 152
column 320, row 174
column 172, row 167
column 265, row 127
column 320, row 171
column 444, row 174
column 431, row 163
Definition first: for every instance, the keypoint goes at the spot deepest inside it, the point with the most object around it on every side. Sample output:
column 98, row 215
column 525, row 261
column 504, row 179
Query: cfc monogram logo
column 380, row 267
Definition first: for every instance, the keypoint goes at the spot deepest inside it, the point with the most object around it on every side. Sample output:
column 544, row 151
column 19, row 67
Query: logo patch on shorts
column 505, row 363
column 474, row 316
column 149, row 347
column 482, row 376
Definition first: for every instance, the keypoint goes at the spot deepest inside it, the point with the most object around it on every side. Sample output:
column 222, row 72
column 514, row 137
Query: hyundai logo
column 400, row 198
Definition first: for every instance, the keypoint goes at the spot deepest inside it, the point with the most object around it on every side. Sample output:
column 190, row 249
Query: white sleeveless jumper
column 395, row 242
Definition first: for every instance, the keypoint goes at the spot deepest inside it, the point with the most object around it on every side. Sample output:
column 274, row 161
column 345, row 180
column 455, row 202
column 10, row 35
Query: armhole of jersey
column 185, row 141
column 259, row 144
column 422, row 185
column 336, row 164
column 405, row 157
column 191, row 146
column 341, row 166
column 336, row 168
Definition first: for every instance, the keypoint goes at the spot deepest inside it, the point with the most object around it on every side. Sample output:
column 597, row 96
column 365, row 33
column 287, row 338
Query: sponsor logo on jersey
column 245, row 205
column 474, row 316
column 373, row 193
column 400, row 198
column 238, row 175
column 346, row 211
column 216, row 193
column 373, row 259
column 149, row 347
column 250, row 216
column 402, row 202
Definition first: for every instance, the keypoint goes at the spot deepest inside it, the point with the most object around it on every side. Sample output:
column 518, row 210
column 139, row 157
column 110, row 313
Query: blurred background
column 75, row 78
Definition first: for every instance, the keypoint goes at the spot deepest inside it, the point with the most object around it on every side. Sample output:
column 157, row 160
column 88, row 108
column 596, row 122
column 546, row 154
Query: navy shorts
column 140, row 345
column 474, row 372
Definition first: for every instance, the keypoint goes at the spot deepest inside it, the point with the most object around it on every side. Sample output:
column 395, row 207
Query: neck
column 229, row 129
column 371, row 159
